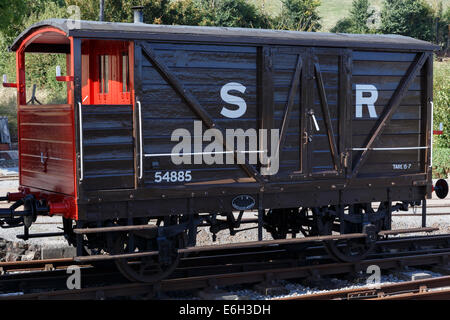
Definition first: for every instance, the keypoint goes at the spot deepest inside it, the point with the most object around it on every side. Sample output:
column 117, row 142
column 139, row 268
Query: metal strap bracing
column 390, row 109
column 326, row 117
column 290, row 102
column 193, row 104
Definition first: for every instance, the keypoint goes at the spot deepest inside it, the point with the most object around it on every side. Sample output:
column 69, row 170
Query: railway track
column 226, row 279
column 46, row 279
column 434, row 288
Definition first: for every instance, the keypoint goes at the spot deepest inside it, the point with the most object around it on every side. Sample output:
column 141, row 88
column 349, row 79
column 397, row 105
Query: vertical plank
column 267, row 97
column 140, row 183
column 326, row 116
column 308, row 94
column 289, row 104
column 348, row 123
column 345, row 96
column 77, row 72
column 426, row 137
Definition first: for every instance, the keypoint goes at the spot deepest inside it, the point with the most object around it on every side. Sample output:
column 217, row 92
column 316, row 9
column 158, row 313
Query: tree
column 11, row 12
column 360, row 15
column 239, row 13
column 185, row 12
column 412, row 18
column 14, row 12
column 442, row 26
column 301, row 15
column 344, row 25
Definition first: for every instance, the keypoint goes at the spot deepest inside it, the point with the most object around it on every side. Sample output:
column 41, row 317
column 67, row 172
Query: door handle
column 80, row 122
column 311, row 113
column 141, row 151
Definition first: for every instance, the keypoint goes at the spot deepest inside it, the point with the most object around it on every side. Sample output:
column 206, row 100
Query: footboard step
column 41, row 235
column 105, row 257
column 115, row 229
column 402, row 231
column 250, row 244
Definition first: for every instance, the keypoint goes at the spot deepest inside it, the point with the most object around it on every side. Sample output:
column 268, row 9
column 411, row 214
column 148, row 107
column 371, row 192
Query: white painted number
column 238, row 101
column 369, row 101
column 173, row 176
column 401, row 166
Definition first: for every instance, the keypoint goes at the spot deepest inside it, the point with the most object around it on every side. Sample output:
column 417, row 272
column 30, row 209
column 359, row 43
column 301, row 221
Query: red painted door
column 107, row 113
column 106, row 72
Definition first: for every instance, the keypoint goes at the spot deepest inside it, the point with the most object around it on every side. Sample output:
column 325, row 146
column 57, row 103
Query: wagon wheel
column 150, row 268
column 308, row 227
column 275, row 222
column 345, row 250
column 281, row 222
column 349, row 250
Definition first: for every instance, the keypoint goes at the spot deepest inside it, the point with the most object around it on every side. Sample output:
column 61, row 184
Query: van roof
column 225, row 35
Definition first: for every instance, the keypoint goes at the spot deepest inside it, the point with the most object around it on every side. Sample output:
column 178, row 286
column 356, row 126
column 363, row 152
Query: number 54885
column 173, row 176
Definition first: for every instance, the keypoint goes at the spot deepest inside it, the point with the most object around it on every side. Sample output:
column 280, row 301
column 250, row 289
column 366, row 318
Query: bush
column 442, row 102
column 360, row 15
column 413, row 18
column 344, row 25
column 239, row 13
column 8, row 103
column 300, row 15
column 441, row 163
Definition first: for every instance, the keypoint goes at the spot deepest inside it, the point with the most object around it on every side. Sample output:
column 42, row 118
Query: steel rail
column 215, row 251
column 45, row 264
column 385, row 291
column 226, row 279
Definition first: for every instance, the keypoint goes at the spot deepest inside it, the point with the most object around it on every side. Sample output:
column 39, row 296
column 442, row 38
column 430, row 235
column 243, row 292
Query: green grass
column 330, row 10
column 441, row 97
column 333, row 10
column 441, row 163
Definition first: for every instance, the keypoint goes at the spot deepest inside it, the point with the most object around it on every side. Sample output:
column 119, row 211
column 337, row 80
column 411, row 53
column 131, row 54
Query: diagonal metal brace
column 390, row 109
column 327, row 117
column 195, row 106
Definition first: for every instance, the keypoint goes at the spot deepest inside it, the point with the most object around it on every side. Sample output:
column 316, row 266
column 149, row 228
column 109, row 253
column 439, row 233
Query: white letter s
column 233, row 100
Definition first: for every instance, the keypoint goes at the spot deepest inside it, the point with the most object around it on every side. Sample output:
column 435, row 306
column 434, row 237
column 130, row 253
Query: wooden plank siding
column 46, row 147
column 202, row 70
column 108, row 147
column 385, row 70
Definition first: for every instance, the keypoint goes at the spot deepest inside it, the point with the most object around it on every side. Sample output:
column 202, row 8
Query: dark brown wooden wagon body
column 177, row 77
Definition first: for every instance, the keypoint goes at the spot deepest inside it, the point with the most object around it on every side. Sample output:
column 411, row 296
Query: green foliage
column 186, row 12
column 301, row 15
column 11, row 12
column 360, row 15
column 442, row 25
column 441, row 101
column 344, row 25
column 441, row 163
column 40, row 69
column 239, row 13
column 412, row 18
column 8, row 108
